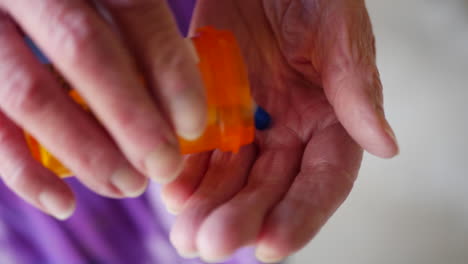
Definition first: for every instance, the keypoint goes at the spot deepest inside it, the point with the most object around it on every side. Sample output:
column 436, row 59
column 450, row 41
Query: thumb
column 352, row 83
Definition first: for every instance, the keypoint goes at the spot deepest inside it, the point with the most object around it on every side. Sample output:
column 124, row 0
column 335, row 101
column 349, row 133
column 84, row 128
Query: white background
column 412, row 209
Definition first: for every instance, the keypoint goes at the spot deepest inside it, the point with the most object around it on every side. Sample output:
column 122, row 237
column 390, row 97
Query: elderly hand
column 312, row 66
column 104, row 48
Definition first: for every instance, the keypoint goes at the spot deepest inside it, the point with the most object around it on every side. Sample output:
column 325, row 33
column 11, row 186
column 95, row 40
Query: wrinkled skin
column 133, row 136
column 312, row 67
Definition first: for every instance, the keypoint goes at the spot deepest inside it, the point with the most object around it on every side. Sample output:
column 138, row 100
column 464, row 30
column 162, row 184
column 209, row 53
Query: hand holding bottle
column 101, row 48
column 312, row 67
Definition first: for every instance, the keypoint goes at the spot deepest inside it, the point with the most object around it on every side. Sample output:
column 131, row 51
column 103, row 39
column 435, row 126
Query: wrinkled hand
column 105, row 60
column 312, row 66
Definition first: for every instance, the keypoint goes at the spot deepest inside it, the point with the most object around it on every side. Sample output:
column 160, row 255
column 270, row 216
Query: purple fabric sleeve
column 183, row 10
column 102, row 231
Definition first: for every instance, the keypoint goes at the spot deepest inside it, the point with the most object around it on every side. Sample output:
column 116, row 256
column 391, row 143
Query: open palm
column 312, row 67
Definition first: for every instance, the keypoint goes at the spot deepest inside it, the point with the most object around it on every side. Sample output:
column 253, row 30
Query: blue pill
column 262, row 119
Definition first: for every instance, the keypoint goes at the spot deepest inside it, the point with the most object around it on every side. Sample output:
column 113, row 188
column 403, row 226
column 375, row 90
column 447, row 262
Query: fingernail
column 183, row 253
column 130, row 183
column 55, row 205
column 267, row 255
column 388, row 129
column 190, row 255
column 215, row 259
column 174, row 210
column 390, row 133
column 189, row 114
column 165, row 163
column 171, row 210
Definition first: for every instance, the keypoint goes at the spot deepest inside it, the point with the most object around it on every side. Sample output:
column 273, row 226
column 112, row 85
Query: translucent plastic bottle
column 230, row 106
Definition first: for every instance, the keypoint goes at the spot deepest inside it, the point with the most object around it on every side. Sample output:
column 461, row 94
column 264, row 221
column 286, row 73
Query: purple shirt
column 102, row 230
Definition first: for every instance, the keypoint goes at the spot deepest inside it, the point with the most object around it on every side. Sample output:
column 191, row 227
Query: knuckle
column 6, row 137
column 172, row 53
column 17, row 177
column 23, row 94
column 134, row 121
column 173, row 66
column 92, row 157
column 75, row 31
column 94, row 165
column 91, row 162
column 127, row 116
column 6, row 25
column 129, row 121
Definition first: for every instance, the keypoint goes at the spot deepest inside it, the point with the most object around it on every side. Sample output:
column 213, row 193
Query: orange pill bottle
column 230, row 106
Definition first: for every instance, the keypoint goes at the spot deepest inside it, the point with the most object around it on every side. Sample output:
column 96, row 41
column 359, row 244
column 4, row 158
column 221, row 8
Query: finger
column 225, row 177
column 167, row 58
column 96, row 63
column 32, row 98
column 27, row 178
column 329, row 167
column 176, row 193
column 237, row 222
column 352, row 83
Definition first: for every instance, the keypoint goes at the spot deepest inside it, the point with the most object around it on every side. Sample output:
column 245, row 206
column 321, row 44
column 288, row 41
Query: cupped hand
column 312, row 67
column 140, row 79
